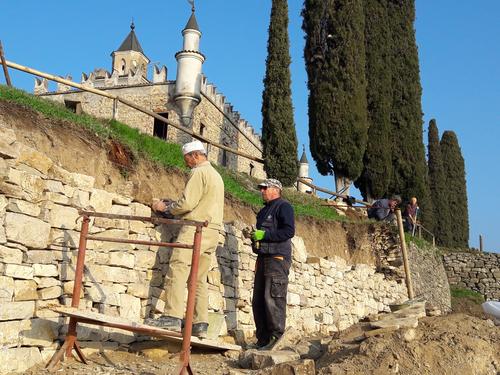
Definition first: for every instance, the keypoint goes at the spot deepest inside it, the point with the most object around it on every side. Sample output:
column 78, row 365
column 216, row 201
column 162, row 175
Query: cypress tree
column 454, row 172
column 335, row 63
column 374, row 180
column 409, row 177
column 278, row 129
column 438, row 187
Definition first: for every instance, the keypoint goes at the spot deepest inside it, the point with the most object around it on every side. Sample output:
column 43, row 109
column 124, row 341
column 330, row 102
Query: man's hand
column 258, row 235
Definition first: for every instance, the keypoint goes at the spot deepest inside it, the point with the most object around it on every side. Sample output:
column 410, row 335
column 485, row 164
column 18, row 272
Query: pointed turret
column 304, row 172
column 129, row 57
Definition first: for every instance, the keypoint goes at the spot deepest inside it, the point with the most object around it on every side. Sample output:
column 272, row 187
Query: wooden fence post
column 409, row 285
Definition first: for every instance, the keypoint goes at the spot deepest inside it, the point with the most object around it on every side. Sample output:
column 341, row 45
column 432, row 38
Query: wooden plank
column 91, row 317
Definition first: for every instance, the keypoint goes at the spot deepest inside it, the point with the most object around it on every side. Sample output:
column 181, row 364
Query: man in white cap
column 202, row 199
column 271, row 241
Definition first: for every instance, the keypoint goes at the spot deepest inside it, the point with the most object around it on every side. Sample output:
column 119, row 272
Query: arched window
column 124, row 66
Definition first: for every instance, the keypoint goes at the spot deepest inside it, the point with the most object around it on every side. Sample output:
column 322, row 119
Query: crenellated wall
column 39, row 233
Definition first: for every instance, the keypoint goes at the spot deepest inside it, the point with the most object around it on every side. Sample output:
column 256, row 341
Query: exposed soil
column 114, row 168
column 453, row 344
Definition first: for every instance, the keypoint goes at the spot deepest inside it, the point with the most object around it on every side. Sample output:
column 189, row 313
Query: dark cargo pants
column 269, row 297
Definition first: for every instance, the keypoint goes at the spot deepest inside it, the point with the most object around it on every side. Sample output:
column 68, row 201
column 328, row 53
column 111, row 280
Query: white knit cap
column 193, row 146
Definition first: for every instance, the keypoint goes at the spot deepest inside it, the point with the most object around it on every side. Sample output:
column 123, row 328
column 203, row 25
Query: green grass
column 420, row 242
column 467, row 294
column 238, row 185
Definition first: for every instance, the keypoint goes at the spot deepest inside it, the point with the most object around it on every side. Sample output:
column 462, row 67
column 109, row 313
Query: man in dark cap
column 271, row 241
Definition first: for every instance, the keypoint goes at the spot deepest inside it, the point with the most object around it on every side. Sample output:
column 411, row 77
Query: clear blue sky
column 458, row 44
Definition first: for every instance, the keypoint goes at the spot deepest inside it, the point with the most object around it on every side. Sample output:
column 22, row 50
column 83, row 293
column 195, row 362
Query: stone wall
column 476, row 271
column 39, row 234
column 429, row 278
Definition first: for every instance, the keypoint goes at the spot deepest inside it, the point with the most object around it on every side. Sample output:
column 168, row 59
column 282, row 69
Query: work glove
column 258, row 235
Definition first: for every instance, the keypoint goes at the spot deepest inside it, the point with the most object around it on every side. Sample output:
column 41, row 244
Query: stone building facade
column 214, row 117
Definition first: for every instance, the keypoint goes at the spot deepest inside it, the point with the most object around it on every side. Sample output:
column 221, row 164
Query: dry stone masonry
column 39, row 235
column 476, row 271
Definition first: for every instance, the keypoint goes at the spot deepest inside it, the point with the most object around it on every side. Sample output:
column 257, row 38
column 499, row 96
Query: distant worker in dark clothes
column 272, row 242
column 383, row 209
column 410, row 214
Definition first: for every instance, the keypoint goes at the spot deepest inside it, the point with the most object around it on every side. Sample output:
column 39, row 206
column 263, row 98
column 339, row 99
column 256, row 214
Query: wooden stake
column 481, row 249
column 409, row 285
column 4, row 65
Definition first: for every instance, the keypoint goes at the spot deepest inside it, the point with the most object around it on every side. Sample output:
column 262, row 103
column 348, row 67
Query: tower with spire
column 304, row 172
column 189, row 61
column 129, row 57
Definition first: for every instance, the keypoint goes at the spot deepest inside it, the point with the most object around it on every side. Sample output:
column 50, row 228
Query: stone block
column 145, row 259
column 139, row 209
column 17, row 310
column 34, row 159
column 19, row 271
column 32, row 186
column 120, row 258
column 8, row 151
column 27, row 230
column 58, row 198
column 82, row 181
column 10, row 255
column 6, row 288
column 303, row 367
column 10, row 332
column 40, row 256
column 50, row 292
column 63, row 217
column 46, row 282
column 43, row 308
column 130, row 307
column 54, row 186
column 121, row 336
column 256, row 360
column 101, row 200
column 23, row 207
column 42, row 332
column 141, row 290
column 100, row 273
column 80, row 198
column 19, row 359
column 25, row 290
column 299, row 252
column 108, row 294
column 45, row 270
column 293, row 299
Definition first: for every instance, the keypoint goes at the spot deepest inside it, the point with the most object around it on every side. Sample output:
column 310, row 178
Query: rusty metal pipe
column 144, row 218
column 77, row 285
column 193, row 278
column 140, row 242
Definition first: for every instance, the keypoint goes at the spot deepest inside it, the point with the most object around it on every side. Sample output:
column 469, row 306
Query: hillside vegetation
column 237, row 185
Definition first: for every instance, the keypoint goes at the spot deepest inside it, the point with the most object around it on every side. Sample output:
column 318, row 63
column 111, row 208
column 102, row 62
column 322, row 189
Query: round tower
column 304, row 173
column 189, row 61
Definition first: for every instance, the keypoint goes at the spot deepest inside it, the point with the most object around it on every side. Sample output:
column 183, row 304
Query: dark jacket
column 276, row 218
column 381, row 210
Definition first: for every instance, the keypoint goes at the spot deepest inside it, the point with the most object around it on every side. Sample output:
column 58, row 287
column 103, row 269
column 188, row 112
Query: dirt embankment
column 78, row 150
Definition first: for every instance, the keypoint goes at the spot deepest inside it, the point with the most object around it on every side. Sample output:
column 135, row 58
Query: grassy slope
column 237, row 185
